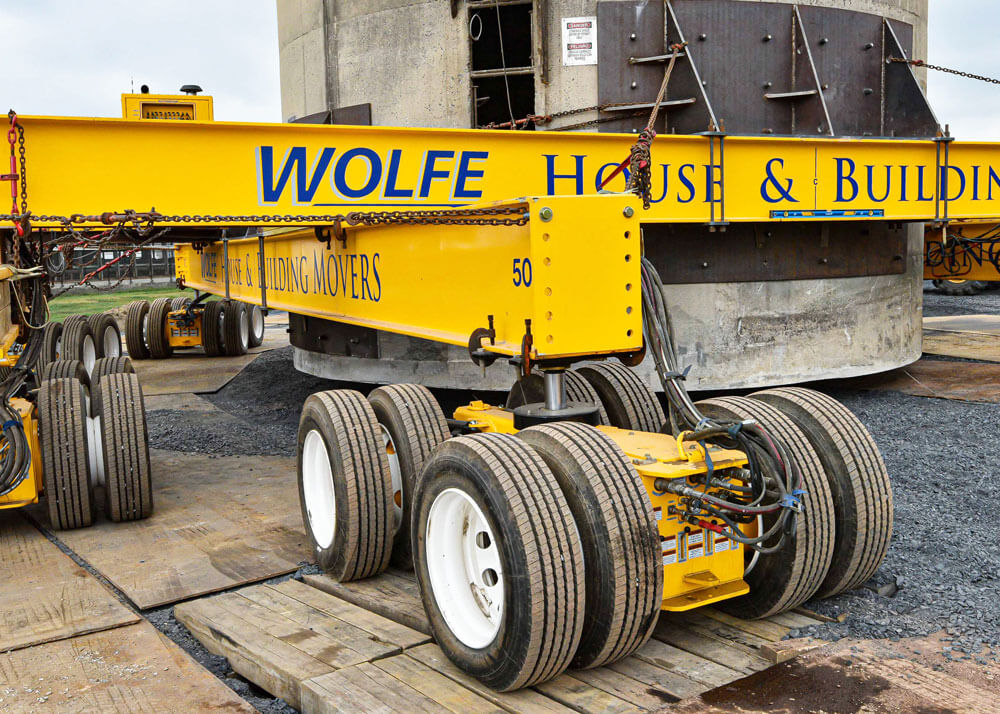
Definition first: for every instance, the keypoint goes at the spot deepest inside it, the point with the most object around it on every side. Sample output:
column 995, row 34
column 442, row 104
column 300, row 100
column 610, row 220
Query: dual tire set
column 229, row 327
column 843, row 534
column 92, row 432
column 534, row 552
column 83, row 338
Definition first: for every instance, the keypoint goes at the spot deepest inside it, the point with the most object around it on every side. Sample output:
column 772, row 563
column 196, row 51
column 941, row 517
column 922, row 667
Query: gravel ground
column 943, row 566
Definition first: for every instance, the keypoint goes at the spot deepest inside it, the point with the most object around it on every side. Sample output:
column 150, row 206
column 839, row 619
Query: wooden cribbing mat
column 129, row 669
column 218, row 523
column 44, row 595
column 307, row 653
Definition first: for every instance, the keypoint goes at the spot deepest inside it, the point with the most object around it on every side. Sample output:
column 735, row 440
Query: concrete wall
column 408, row 58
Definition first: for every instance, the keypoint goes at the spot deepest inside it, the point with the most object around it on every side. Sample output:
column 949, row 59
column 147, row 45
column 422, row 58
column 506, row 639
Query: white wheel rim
column 112, row 343
column 397, row 478
column 88, row 352
column 258, row 323
column 463, row 563
column 58, row 347
column 145, row 323
column 244, row 329
column 95, row 448
column 317, row 489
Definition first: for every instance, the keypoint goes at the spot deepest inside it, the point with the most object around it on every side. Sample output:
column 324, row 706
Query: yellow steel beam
column 573, row 271
column 90, row 166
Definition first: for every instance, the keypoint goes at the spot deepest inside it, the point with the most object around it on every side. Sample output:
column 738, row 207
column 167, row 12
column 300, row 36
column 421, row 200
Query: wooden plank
column 44, row 595
column 371, row 688
column 735, row 634
column 219, row 523
column 669, row 687
column 276, row 666
column 967, row 345
column 331, row 641
column 778, row 652
column 525, row 700
column 687, row 664
column 393, row 594
column 708, row 645
column 379, row 627
column 764, row 629
column 447, row 693
column 129, row 669
column 582, row 696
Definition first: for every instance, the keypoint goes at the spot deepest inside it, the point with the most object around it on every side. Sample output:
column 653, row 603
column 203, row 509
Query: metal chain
column 144, row 221
column 921, row 63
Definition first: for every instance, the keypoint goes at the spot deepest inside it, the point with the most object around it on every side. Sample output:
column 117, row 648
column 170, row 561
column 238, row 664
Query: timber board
column 219, row 522
column 44, row 595
column 690, row 653
column 129, row 669
column 973, row 382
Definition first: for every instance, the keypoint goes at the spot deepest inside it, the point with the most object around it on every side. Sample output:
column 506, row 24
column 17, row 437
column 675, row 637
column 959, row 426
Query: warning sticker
column 696, row 538
column 669, row 558
column 579, row 40
column 695, row 552
column 721, row 544
column 658, row 513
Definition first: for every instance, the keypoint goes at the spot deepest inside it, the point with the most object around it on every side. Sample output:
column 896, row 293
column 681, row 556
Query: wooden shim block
column 376, row 625
column 324, row 638
column 393, row 595
column 128, row 669
column 778, row 652
column 524, row 700
column 662, row 684
column 763, row 629
column 708, row 645
column 392, row 684
column 794, row 620
column 689, row 665
column 267, row 661
column 51, row 597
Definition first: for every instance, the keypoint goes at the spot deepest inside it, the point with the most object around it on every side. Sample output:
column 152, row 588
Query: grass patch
column 91, row 303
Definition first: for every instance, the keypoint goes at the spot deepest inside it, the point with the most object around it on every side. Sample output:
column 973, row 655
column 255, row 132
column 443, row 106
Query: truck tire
column 128, row 483
column 62, row 433
column 256, row 325
column 72, row 319
column 66, row 369
column 960, row 287
column 859, row 482
column 236, row 328
column 156, row 329
column 211, row 328
column 135, row 329
column 783, row 580
column 531, row 389
column 628, row 401
column 107, row 336
column 51, row 345
column 102, row 368
column 178, row 302
column 345, row 488
column 78, row 343
column 623, row 568
column 411, row 425
column 498, row 560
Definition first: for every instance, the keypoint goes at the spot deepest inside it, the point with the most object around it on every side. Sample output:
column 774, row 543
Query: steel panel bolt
column 628, row 212
column 545, row 214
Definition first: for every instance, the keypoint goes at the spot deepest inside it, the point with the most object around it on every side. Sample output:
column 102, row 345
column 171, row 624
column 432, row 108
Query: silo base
column 732, row 335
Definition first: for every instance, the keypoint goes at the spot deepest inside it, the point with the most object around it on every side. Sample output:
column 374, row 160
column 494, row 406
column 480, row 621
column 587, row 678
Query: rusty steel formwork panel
column 750, row 252
column 761, row 68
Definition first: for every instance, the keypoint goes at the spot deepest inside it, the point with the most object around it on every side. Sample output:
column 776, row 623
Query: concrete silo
column 752, row 305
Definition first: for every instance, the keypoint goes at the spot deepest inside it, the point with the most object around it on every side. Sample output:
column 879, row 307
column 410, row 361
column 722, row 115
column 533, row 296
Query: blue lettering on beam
column 551, row 175
column 304, row 188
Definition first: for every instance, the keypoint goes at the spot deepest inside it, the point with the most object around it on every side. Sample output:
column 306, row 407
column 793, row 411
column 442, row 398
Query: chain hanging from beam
column 960, row 73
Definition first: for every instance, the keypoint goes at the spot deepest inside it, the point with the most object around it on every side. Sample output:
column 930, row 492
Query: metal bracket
column 225, row 261
column 263, row 272
column 716, row 222
column 941, row 177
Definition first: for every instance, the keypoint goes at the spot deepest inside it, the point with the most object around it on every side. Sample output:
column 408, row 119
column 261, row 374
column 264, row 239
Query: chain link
column 921, row 63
